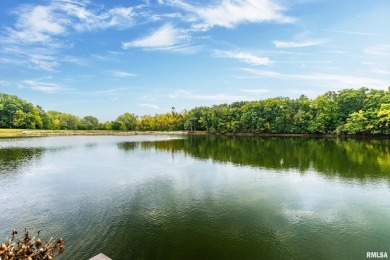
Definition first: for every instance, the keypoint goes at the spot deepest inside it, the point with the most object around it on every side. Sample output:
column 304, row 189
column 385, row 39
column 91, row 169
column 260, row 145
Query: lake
column 199, row 197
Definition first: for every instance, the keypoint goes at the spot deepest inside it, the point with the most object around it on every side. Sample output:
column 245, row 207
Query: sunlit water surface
column 199, row 197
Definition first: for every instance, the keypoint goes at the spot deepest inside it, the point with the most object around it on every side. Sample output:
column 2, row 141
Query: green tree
column 63, row 121
column 350, row 101
column 127, row 121
column 327, row 113
column 37, row 118
column 356, row 124
column 8, row 110
column 107, row 126
column 88, row 123
column 19, row 119
column 384, row 118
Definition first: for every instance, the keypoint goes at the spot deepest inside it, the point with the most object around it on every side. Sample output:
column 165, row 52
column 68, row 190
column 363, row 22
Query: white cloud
column 111, row 91
column 123, row 74
column 256, row 91
column 43, row 87
column 245, row 57
column 334, row 52
column 44, row 62
column 342, row 81
column 280, row 52
column 283, row 44
column 120, row 17
column 263, row 73
column 12, row 61
column 72, row 59
column 215, row 97
column 44, row 23
column 104, row 57
column 164, row 16
column 303, row 62
column 153, row 106
column 4, row 83
column 40, row 58
column 164, row 37
column 182, row 49
column 352, row 32
column 228, row 13
column 380, row 71
column 35, row 57
column 36, row 36
column 36, row 24
column 378, row 50
column 335, row 80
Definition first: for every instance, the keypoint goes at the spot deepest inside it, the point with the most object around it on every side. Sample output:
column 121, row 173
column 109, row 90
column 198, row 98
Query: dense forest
column 348, row 111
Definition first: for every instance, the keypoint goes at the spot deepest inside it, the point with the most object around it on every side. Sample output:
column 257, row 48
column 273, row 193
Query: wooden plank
column 100, row 256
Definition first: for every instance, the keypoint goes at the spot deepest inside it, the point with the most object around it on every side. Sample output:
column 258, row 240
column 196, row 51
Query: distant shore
column 37, row 133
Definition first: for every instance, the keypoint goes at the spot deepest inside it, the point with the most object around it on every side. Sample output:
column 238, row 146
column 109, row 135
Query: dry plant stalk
column 27, row 248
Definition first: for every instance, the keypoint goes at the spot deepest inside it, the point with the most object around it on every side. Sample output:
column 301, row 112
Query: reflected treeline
column 345, row 158
column 11, row 159
column 127, row 146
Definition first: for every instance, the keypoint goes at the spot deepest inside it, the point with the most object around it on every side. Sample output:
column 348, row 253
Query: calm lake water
column 199, row 197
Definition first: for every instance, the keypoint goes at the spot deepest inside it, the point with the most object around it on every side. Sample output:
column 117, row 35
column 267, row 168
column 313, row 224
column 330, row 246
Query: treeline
column 17, row 113
column 349, row 111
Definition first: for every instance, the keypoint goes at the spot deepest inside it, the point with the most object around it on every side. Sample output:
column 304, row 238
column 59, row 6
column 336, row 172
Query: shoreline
column 294, row 135
column 43, row 133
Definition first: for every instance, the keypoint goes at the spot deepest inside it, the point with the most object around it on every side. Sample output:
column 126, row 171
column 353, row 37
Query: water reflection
column 13, row 159
column 147, row 198
column 127, row 146
column 175, row 224
column 232, row 219
column 91, row 145
column 344, row 158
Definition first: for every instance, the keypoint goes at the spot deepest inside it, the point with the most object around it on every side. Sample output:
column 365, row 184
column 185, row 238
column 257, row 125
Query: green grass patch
column 6, row 132
column 10, row 131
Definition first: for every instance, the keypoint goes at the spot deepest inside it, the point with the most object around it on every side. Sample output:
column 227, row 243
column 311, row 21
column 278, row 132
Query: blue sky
column 104, row 58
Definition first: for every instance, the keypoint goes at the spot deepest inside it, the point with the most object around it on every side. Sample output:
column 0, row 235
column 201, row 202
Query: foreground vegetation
column 349, row 111
column 30, row 248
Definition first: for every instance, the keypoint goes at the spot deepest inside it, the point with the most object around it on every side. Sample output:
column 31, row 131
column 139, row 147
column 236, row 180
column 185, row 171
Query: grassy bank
column 10, row 132
column 31, row 133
